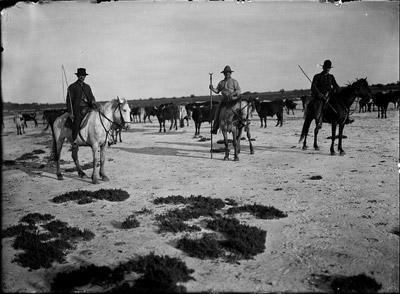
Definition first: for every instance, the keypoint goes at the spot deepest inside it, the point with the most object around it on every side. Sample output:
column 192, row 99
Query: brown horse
column 336, row 113
column 95, row 130
column 233, row 118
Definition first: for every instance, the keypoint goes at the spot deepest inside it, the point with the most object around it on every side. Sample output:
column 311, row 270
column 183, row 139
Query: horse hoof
column 333, row 153
column 304, row 147
column 226, row 158
column 316, row 148
column 251, row 152
column 105, row 179
column 96, row 182
column 236, row 159
column 60, row 177
column 342, row 153
column 83, row 175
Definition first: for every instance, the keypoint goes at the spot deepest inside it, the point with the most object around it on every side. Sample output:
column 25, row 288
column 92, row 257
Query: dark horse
column 335, row 114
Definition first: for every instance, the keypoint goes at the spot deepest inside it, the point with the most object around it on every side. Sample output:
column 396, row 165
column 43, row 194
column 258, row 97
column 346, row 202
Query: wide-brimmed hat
column 81, row 72
column 327, row 64
column 227, row 69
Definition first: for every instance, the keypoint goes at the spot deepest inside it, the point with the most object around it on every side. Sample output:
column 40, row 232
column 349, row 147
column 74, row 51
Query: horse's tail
column 306, row 124
column 54, row 156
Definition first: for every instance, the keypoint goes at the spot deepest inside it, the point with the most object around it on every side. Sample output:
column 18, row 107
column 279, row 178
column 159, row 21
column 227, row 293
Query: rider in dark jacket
column 79, row 100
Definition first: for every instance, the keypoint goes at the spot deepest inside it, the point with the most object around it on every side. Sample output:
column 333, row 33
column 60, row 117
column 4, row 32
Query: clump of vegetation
column 316, row 178
column 41, row 249
column 205, row 247
column 160, row 274
column 355, row 284
column 27, row 156
column 130, row 222
column 9, row 162
column 33, row 218
column 241, row 240
column 259, row 211
column 38, row 151
column 174, row 225
column 197, row 206
column 83, row 196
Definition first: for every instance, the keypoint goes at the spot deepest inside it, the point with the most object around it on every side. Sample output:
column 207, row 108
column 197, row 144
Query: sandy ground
column 338, row 225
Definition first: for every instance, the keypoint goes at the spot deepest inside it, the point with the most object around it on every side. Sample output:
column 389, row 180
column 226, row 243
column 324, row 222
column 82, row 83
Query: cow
column 30, row 116
column 149, row 111
column 50, row 115
column 202, row 112
column 19, row 123
column 168, row 111
column 290, row 105
column 381, row 100
column 272, row 108
column 364, row 106
column 183, row 115
column 136, row 113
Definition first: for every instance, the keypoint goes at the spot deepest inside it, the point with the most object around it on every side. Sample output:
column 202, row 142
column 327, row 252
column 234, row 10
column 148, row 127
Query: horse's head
column 121, row 112
column 362, row 90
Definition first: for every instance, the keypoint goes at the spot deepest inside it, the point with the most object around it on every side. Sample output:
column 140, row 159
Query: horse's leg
column 102, row 162
column 77, row 164
column 95, row 179
column 58, row 144
column 225, row 134
column 120, row 131
column 333, row 138
column 236, row 146
column 261, row 120
column 249, row 138
column 341, row 127
column 265, row 121
column 316, row 147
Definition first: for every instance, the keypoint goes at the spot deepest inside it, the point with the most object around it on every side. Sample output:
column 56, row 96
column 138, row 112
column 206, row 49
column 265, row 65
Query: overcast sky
column 167, row 49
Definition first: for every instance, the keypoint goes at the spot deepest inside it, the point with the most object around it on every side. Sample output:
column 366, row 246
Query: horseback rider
column 322, row 87
column 230, row 90
column 80, row 100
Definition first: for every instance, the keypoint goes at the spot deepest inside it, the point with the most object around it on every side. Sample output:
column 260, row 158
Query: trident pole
column 211, row 114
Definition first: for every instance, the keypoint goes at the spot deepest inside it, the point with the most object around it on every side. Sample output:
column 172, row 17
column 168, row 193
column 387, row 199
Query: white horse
column 95, row 130
column 233, row 118
column 19, row 123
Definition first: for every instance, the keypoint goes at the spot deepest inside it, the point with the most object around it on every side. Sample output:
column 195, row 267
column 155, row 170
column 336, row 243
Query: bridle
column 119, row 125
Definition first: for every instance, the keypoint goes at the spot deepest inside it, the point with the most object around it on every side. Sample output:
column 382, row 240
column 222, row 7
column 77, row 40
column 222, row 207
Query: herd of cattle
column 201, row 112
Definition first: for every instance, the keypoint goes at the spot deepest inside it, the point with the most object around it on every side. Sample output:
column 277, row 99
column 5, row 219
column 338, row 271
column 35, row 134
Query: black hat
column 327, row 64
column 81, row 72
column 227, row 69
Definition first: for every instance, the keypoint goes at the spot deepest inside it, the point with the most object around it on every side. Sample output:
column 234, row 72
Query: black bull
column 201, row 112
column 30, row 116
column 272, row 108
column 170, row 112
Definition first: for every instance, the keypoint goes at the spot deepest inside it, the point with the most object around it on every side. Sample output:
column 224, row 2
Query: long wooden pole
column 211, row 114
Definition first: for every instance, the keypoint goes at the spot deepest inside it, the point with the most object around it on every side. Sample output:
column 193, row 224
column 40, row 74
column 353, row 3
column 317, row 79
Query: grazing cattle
column 365, row 105
column 381, row 100
column 290, row 105
column 19, row 123
column 149, row 111
column 168, row 111
column 136, row 113
column 115, row 132
column 30, row 116
column 50, row 115
column 202, row 112
column 272, row 108
column 182, row 116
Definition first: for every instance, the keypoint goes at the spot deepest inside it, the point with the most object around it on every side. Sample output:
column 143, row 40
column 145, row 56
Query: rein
column 112, row 122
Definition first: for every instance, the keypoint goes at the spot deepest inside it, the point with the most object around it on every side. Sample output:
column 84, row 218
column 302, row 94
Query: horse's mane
column 350, row 85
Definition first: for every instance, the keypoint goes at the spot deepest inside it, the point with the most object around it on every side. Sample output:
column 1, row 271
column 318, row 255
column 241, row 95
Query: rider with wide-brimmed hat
column 323, row 86
column 79, row 99
column 230, row 90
